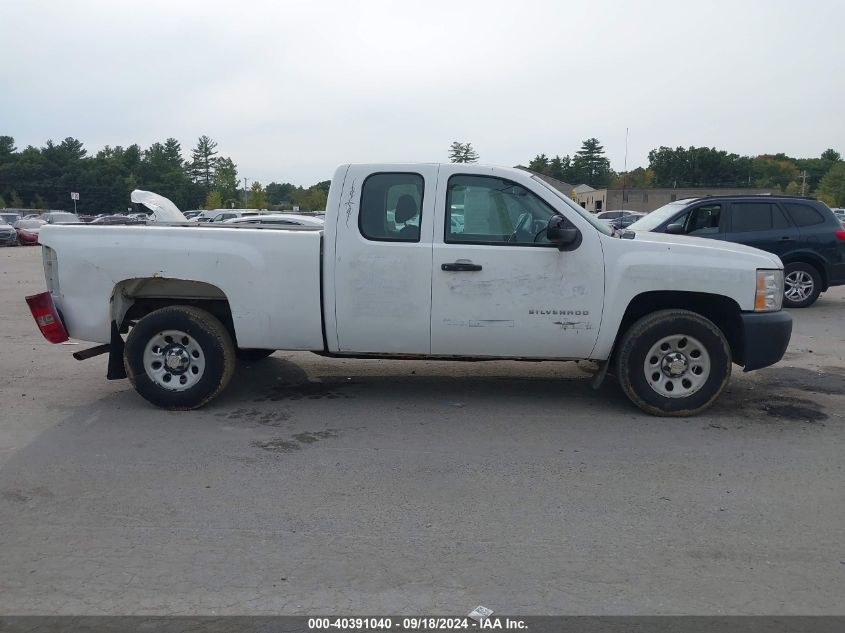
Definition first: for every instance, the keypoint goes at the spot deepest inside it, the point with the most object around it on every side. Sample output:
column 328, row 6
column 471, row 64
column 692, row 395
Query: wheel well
column 133, row 299
column 722, row 311
column 812, row 261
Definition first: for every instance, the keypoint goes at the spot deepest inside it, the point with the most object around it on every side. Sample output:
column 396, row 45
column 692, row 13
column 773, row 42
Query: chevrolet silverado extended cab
column 424, row 261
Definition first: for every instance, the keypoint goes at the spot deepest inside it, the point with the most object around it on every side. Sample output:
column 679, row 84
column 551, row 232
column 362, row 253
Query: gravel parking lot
column 362, row 487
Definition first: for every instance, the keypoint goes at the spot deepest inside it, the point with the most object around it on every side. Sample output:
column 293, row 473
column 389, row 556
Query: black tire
column 211, row 338
column 650, row 330
column 253, row 355
column 803, row 270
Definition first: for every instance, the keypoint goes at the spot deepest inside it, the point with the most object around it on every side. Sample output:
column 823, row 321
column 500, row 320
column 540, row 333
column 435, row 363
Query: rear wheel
column 673, row 363
column 802, row 285
column 179, row 357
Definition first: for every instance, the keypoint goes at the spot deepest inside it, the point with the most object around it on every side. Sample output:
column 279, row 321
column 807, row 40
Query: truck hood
column 163, row 209
column 728, row 248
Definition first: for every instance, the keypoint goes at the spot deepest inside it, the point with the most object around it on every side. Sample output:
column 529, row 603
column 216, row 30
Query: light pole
column 245, row 198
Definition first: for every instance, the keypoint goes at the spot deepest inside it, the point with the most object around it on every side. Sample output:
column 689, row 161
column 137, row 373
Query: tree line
column 44, row 177
column 822, row 177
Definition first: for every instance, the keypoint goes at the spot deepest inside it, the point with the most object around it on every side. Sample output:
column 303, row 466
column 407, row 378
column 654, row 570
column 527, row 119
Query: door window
column 753, row 216
column 702, row 220
column 490, row 210
column 391, row 207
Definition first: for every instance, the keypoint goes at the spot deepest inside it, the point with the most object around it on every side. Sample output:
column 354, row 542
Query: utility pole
column 625, row 169
column 803, row 182
column 245, row 194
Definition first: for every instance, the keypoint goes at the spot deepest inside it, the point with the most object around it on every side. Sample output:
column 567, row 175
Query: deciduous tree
column 257, row 198
column 832, row 187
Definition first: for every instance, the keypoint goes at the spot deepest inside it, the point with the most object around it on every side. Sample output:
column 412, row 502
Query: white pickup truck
column 417, row 261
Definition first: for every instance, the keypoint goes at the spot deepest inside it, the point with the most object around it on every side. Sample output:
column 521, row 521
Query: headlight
column 769, row 296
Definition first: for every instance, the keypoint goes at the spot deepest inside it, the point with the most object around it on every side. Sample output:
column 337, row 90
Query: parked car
column 803, row 232
column 9, row 217
column 624, row 221
column 8, row 235
column 277, row 219
column 528, row 275
column 28, row 231
column 221, row 215
column 839, row 213
column 611, row 215
column 61, row 217
column 191, row 214
column 116, row 219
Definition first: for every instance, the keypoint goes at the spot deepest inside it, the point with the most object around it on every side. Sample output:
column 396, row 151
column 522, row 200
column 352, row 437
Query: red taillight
column 841, row 234
column 45, row 315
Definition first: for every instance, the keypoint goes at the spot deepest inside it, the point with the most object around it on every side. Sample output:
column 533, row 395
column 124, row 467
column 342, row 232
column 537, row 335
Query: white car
column 527, row 274
column 221, row 215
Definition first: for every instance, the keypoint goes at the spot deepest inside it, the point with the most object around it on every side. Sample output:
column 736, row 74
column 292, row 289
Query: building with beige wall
column 646, row 200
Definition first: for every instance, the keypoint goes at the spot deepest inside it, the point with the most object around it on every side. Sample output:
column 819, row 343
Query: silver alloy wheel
column 174, row 360
column 677, row 366
column 799, row 286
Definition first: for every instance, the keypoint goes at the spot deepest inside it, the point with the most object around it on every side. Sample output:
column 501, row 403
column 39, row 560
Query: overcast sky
column 290, row 89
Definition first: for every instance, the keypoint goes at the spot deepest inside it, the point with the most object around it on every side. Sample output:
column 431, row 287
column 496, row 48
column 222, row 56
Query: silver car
column 8, row 234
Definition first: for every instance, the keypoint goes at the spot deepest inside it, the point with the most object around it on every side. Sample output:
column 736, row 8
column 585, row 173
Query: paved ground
column 317, row 486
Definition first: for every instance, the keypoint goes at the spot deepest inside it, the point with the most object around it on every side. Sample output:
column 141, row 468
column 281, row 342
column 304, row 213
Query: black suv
column 803, row 232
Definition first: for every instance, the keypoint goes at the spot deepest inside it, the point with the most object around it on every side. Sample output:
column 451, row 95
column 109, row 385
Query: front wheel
column 673, row 363
column 802, row 285
column 179, row 357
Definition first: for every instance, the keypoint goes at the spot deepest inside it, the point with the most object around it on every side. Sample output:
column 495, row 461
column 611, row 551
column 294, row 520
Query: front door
column 498, row 287
column 382, row 265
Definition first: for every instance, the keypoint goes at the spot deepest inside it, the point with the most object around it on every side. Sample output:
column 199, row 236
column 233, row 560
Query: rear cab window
column 391, row 207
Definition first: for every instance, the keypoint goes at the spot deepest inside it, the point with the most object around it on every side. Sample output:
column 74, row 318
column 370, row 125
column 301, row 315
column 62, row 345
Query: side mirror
column 675, row 229
column 567, row 238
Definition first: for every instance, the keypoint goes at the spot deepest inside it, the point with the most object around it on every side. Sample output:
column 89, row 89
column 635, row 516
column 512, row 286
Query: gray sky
column 290, row 89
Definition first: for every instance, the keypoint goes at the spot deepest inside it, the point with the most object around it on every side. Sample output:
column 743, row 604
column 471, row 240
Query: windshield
column 589, row 217
column 659, row 216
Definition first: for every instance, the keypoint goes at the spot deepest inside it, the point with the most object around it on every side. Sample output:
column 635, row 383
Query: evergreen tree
column 204, row 162
column 591, row 164
column 462, row 153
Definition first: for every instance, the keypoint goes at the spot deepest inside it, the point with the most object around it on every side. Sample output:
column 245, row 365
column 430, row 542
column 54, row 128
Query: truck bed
column 270, row 276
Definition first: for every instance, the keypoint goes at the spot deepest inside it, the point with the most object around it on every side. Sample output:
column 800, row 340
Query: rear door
column 761, row 224
column 382, row 266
